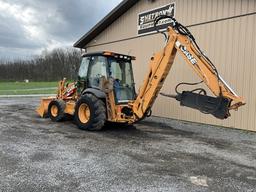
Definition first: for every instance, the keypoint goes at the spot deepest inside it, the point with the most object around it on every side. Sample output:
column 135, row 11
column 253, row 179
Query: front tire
column 90, row 113
column 56, row 110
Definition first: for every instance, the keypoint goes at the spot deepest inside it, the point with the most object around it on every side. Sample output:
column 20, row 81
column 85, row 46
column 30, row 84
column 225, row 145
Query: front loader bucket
column 42, row 110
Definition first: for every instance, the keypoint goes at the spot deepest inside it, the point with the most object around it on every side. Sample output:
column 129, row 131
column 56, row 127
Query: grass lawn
column 22, row 88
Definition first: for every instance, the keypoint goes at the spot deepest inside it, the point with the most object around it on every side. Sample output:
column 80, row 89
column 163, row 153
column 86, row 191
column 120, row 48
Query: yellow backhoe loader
column 105, row 88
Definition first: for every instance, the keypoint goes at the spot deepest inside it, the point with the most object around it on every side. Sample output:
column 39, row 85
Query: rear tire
column 90, row 113
column 56, row 110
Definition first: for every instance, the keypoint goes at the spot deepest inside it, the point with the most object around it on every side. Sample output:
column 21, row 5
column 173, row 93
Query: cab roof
column 110, row 54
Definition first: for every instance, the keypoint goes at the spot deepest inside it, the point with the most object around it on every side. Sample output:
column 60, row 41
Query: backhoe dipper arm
column 181, row 40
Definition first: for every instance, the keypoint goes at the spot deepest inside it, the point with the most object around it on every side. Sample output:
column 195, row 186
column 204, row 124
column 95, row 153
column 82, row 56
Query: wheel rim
column 54, row 111
column 84, row 113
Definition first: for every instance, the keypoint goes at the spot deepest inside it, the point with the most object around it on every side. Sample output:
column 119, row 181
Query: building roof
column 124, row 6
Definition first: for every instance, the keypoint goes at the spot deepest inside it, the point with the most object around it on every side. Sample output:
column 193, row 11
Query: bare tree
column 50, row 66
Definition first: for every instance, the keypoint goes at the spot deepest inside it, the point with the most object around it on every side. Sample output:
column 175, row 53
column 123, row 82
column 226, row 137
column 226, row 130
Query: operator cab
column 112, row 66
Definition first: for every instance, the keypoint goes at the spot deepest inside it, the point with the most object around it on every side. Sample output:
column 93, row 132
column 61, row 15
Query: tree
column 49, row 66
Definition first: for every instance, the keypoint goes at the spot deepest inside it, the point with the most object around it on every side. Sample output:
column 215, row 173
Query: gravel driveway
column 155, row 155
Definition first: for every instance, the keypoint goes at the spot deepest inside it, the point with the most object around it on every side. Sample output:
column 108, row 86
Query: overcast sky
column 27, row 27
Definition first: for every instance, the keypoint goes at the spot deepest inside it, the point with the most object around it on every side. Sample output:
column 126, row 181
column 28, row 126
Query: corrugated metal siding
column 230, row 44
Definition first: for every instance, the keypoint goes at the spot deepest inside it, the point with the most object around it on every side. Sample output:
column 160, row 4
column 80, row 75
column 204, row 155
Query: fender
column 97, row 92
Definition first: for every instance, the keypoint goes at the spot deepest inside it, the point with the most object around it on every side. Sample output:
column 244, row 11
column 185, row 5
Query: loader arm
column 181, row 40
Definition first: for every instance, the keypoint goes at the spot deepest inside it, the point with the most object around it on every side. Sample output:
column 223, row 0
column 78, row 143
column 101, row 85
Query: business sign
column 146, row 19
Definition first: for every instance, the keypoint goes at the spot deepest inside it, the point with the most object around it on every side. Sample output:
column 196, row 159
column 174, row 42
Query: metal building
column 224, row 29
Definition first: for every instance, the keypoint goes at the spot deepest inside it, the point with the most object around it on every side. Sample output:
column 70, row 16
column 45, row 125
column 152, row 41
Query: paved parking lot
column 155, row 155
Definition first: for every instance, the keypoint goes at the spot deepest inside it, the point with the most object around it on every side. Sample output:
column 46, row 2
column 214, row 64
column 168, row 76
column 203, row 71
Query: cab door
column 97, row 69
column 123, row 82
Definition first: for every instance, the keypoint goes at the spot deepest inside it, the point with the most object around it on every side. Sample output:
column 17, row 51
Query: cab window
column 82, row 73
column 97, row 69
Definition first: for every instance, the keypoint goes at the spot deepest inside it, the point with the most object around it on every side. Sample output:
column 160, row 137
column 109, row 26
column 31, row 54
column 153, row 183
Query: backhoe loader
column 105, row 89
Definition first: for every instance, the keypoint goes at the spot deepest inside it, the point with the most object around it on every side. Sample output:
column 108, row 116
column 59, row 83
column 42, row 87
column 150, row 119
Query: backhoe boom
column 180, row 40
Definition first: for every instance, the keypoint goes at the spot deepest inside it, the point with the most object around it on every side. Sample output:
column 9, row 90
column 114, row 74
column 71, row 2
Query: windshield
column 121, row 72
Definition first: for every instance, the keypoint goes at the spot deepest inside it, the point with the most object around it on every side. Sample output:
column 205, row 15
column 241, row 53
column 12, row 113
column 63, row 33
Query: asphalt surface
column 155, row 155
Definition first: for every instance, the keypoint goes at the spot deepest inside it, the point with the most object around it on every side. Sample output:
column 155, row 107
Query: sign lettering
column 146, row 19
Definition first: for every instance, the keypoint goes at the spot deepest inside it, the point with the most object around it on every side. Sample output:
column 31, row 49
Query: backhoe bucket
column 42, row 110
